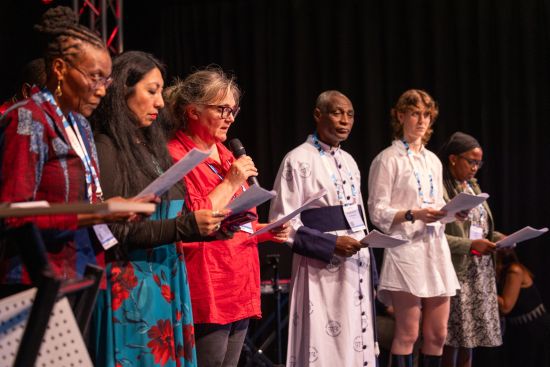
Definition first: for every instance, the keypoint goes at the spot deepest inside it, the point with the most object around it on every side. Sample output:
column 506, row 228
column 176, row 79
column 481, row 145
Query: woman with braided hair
column 47, row 150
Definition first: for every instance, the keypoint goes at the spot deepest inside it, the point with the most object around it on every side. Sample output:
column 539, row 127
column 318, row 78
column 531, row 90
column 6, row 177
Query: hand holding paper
column 526, row 233
column 462, row 202
column 376, row 239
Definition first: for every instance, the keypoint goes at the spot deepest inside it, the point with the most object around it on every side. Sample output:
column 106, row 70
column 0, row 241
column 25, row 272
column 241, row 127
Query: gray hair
column 324, row 99
column 206, row 86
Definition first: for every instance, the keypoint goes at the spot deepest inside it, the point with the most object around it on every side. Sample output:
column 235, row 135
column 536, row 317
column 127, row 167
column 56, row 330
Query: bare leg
column 407, row 319
column 435, row 315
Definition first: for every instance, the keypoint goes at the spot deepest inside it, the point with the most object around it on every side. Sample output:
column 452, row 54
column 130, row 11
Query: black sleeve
column 146, row 233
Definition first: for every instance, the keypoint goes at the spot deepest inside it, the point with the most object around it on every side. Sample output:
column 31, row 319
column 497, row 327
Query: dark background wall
column 486, row 62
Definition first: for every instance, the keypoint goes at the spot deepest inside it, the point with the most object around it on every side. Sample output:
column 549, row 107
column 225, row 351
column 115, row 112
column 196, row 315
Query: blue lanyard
column 77, row 143
column 215, row 170
column 480, row 208
column 417, row 176
column 338, row 184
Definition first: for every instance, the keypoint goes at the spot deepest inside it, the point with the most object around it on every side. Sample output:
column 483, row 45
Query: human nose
column 101, row 91
column 159, row 102
column 230, row 117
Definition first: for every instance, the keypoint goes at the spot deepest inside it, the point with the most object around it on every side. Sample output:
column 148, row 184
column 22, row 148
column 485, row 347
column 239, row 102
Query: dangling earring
column 58, row 92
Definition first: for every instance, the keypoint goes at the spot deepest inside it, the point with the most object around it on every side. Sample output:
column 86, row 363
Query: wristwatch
column 409, row 216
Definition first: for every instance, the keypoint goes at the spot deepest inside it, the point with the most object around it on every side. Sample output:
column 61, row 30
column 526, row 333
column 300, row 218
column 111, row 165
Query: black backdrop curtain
column 485, row 61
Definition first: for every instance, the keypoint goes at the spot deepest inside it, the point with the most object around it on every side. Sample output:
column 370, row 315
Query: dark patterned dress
column 474, row 319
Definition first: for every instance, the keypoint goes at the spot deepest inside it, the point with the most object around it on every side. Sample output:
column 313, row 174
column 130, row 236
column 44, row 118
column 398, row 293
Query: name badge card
column 353, row 216
column 247, row 228
column 105, row 236
column 476, row 232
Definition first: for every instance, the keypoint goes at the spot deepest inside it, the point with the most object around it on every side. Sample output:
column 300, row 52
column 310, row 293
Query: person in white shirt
column 331, row 310
column 405, row 195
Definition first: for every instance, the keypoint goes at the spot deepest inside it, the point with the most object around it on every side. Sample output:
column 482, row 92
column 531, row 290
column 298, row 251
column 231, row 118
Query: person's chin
column 146, row 123
column 222, row 137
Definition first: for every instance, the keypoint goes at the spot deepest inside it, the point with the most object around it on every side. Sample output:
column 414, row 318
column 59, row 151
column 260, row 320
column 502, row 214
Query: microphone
column 238, row 150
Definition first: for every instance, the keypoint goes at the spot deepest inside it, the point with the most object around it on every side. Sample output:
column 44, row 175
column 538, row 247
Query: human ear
column 316, row 114
column 59, row 68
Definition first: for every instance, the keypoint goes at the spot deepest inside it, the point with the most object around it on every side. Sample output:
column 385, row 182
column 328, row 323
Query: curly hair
column 413, row 99
column 206, row 86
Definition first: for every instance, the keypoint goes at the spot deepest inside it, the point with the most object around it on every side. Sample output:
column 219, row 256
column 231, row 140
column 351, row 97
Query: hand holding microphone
column 243, row 167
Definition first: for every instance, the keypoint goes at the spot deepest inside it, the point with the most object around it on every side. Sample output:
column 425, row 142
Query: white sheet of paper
column 376, row 239
column 294, row 213
column 254, row 196
column 460, row 202
column 175, row 173
column 526, row 233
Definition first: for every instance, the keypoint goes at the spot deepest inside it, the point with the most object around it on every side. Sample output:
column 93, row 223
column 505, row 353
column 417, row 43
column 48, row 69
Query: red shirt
column 224, row 276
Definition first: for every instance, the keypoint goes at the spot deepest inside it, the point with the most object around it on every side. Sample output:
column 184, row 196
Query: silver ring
column 217, row 227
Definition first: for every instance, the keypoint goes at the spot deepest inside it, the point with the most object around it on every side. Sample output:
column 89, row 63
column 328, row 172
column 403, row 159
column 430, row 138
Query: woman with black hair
column 474, row 320
column 145, row 315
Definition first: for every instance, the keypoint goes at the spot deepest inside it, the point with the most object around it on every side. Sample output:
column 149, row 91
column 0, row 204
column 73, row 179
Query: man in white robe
column 331, row 311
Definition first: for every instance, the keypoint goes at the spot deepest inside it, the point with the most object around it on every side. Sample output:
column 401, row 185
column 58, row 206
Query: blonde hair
column 206, row 86
column 413, row 99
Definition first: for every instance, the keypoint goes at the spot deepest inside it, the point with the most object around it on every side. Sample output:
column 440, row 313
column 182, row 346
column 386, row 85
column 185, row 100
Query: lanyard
column 417, row 175
column 480, row 208
column 77, row 143
column 215, row 170
column 337, row 183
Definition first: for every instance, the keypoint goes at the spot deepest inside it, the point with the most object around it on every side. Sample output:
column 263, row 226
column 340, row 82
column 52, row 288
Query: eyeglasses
column 472, row 162
column 339, row 113
column 225, row 111
column 96, row 81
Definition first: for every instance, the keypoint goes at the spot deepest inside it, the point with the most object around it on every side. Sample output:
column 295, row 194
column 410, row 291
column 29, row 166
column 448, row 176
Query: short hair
column 323, row 100
column 206, row 86
column 413, row 99
column 64, row 36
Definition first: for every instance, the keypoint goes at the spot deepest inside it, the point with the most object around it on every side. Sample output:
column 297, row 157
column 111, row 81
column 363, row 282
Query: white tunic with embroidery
column 331, row 304
column 423, row 266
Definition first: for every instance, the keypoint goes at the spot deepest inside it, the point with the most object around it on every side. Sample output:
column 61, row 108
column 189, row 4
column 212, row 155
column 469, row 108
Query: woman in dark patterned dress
column 474, row 317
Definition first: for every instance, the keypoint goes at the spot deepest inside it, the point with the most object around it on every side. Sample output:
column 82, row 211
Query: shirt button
column 363, row 313
column 364, row 347
column 332, row 152
column 344, row 182
column 365, row 364
column 339, row 166
column 361, row 280
column 349, row 197
column 364, row 330
column 360, row 263
column 361, row 297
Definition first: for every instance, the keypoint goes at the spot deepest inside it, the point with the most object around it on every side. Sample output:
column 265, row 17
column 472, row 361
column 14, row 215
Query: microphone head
column 236, row 147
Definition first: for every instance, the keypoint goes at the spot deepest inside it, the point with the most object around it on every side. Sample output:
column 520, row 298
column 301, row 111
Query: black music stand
column 28, row 240
column 255, row 355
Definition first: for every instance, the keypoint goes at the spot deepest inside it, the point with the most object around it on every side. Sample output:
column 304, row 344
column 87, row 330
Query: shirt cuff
column 314, row 243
